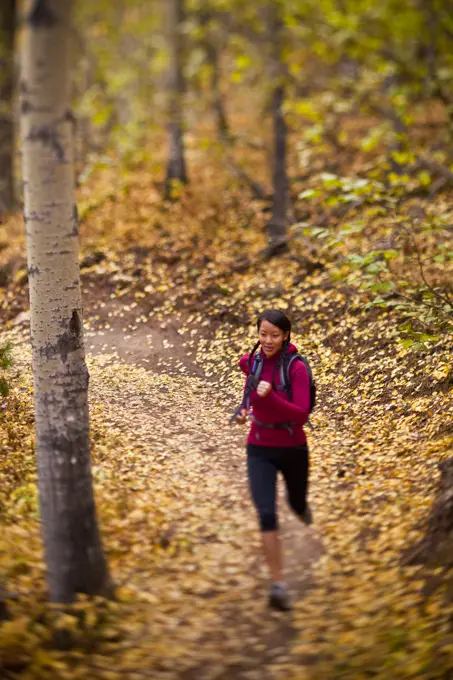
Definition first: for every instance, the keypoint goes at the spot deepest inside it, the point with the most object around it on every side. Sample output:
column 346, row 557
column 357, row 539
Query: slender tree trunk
column 277, row 225
column 7, row 32
column 222, row 121
column 73, row 550
column 212, row 54
column 4, row 614
column 223, row 129
column 176, row 169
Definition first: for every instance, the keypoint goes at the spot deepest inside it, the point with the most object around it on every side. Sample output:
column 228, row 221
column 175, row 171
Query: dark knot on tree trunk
column 41, row 16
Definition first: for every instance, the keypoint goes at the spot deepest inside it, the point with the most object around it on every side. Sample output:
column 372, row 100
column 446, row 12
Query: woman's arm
column 242, row 416
column 244, row 364
column 296, row 410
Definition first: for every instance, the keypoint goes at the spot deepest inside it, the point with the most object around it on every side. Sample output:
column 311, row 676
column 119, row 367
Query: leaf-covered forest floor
column 171, row 291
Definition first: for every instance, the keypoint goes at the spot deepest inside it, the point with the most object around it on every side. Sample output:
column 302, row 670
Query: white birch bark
column 73, row 550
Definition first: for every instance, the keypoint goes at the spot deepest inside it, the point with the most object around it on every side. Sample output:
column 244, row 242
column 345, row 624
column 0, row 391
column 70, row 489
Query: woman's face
column 271, row 338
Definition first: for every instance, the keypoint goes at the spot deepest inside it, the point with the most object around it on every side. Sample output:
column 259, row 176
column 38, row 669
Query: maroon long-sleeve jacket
column 276, row 407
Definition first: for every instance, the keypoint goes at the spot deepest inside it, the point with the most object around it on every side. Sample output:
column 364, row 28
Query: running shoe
column 307, row 517
column 279, row 598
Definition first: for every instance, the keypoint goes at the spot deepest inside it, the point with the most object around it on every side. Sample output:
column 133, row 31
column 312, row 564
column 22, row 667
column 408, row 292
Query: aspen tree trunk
column 176, row 169
column 73, row 550
column 277, row 225
column 7, row 32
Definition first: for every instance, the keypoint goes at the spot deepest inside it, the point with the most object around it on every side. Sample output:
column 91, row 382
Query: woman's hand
column 263, row 388
column 241, row 419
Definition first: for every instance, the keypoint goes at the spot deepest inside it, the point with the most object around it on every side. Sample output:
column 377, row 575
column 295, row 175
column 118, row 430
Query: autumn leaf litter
column 178, row 527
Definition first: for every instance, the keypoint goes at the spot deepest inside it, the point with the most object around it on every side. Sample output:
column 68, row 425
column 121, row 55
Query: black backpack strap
column 253, row 378
column 312, row 389
column 285, row 380
column 288, row 425
column 256, row 368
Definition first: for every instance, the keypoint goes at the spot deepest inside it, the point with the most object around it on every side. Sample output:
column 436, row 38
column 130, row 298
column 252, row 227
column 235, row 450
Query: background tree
column 4, row 615
column 212, row 40
column 74, row 556
column 7, row 32
column 176, row 168
column 277, row 225
column 119, row 71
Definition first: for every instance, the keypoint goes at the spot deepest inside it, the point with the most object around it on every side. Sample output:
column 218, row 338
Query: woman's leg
column 273, row 554
column 294, row 467
column 262, row 473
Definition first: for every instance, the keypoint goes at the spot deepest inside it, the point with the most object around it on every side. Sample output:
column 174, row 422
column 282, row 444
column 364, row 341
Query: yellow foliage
column 168, row 314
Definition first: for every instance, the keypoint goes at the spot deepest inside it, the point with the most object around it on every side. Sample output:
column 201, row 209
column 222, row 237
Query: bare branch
column 257, row 189
column 439, row 296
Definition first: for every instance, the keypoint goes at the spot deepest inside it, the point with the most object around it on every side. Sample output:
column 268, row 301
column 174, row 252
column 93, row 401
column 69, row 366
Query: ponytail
column 251, row 355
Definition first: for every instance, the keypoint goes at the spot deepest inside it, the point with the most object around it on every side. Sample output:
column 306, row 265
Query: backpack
column 285, row 382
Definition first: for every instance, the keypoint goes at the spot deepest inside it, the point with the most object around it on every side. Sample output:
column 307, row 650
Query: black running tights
column 263, row 464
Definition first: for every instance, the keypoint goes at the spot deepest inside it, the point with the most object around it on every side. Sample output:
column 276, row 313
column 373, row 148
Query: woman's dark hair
column 279, row 319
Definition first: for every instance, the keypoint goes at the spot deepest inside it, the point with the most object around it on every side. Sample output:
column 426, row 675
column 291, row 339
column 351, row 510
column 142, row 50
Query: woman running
column 276, row 442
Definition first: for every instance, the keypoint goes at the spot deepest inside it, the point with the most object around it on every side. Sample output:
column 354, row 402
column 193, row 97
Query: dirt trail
column 153, row 392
